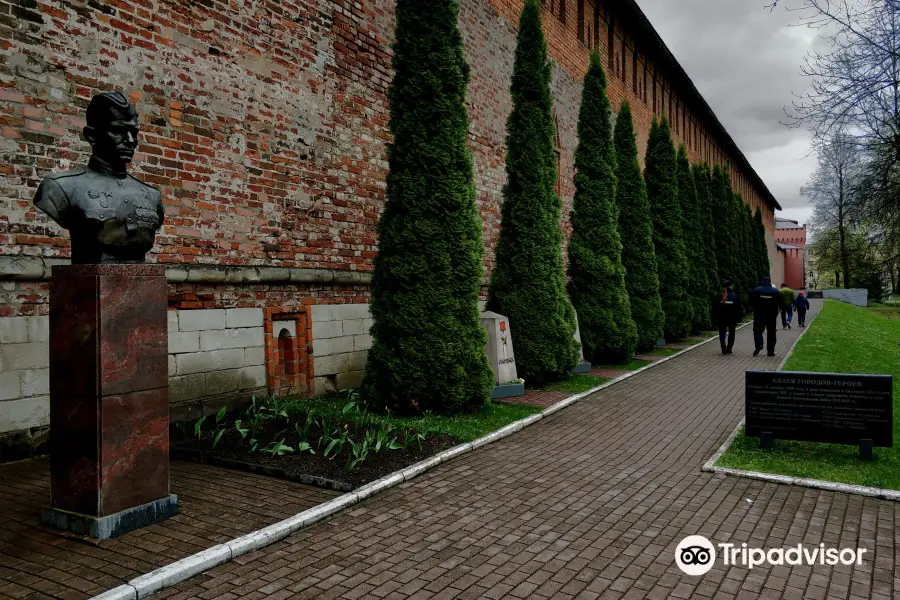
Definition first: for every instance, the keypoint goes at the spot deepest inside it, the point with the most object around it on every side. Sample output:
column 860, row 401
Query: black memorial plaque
column 820, row 407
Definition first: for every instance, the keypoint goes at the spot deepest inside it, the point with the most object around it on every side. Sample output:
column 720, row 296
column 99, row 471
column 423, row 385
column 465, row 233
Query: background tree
column 662, row 190
column 428, row 348
column 636, row 229
column 855, row 262
column 596, row 275
column 692, row 229
column 702, row 181
column 528, row 283
column 836, row 195
column 854, row 93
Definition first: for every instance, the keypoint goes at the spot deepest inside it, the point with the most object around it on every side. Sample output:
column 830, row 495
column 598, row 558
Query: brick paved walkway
column 216, row 505
column 588, row 503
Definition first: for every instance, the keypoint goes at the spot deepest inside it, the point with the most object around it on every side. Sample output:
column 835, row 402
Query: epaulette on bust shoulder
column 64, row 174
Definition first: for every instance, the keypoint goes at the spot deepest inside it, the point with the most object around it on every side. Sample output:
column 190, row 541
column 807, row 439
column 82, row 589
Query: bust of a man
column 111, row 216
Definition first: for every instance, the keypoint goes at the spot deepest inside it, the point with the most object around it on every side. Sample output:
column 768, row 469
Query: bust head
column 112, row 129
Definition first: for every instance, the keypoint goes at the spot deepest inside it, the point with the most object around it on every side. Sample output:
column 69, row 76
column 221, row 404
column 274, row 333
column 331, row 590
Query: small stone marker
column 583, row 366
column 500, row 354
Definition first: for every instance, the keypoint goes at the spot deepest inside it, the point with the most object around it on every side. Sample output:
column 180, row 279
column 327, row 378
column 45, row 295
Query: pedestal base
column 582, row 367
column 109, row 399
column 115, row 524
column 508, row 390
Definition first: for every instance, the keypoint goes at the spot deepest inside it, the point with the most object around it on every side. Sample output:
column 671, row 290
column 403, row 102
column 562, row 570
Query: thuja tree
column 428, row 347
column 662, row 190
column 528, row 283
column 692, row 232
column 720, row 208
column 596, row 275
column 636, row 229
column 752, row 262
column 762, row 250
column 741, row 255
column 702, row 178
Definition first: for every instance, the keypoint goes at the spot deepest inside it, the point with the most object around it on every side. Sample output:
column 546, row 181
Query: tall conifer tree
column 528, row 283
column 702, row 178
column 692, row 232
column 428, row 347
column 762, row 250
column 596, row 275
column 720, row 205
column 740, row 255
column 636, row 229
column 662, row 190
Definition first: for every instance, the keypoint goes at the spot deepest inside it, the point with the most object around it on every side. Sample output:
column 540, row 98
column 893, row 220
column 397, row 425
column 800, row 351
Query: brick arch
column 289, row 365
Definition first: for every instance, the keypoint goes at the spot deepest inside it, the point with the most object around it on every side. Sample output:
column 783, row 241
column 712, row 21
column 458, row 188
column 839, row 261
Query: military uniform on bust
column 112, row 217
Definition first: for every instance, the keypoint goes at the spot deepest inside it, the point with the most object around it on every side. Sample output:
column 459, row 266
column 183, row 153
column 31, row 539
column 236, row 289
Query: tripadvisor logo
column 696, row 555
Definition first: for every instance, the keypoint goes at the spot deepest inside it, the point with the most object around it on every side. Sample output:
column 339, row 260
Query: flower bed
column 334, row 443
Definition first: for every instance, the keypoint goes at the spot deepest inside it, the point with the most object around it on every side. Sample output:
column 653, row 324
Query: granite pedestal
column 109, row 400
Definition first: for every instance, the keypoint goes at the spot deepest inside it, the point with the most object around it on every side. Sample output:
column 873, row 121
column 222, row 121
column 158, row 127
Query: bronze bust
column 111, row 216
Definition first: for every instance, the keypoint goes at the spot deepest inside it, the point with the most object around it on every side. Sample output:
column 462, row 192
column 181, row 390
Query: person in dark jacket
column 766, row 304
column 802, row 305
column 729, row 315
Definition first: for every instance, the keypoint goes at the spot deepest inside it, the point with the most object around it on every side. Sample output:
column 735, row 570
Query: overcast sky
column 745, row 60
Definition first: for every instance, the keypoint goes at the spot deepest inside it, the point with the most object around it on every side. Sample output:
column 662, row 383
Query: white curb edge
column 178, row 571
column 820, row 484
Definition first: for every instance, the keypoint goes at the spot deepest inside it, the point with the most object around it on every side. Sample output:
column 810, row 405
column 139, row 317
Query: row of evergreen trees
column 646, row 257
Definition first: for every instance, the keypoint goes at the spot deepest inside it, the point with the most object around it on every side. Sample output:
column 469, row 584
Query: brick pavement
column 588, row 503
column 216, row 505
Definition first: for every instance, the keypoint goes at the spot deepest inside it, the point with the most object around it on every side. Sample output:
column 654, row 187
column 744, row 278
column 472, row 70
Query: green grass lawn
column 663, row 352
column 464, row 428
column 841, row 339
column 575, row 384
column 632, row 365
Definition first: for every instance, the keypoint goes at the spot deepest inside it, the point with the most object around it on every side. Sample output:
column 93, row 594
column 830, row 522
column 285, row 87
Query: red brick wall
column 265, row 124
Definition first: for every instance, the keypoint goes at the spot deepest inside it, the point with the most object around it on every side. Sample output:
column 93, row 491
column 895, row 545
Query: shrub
column 692, row 229
column 428, row 349
column 596, row 275
column 662, row 190
column 636, row 229
column 528, row 283
column 702, row 177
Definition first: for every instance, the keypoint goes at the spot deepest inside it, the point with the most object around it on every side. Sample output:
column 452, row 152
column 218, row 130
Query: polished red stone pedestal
column 109, row 399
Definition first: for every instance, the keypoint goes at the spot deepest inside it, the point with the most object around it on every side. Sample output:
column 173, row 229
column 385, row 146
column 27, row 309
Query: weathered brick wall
column 265, row 124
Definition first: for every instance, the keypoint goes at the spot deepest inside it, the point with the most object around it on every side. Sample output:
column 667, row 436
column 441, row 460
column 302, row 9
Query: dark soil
column 233, row 451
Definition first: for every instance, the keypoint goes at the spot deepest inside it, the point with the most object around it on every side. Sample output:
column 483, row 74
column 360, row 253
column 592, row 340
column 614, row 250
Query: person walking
column 729, row 312
column 802, row 305
column 765, row 302
column 787, row 306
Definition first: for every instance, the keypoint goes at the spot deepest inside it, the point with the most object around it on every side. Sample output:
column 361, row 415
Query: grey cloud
column 745, row 60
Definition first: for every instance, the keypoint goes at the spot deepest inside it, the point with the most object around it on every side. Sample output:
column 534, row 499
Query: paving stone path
column 216, row 505
column 588, row 503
